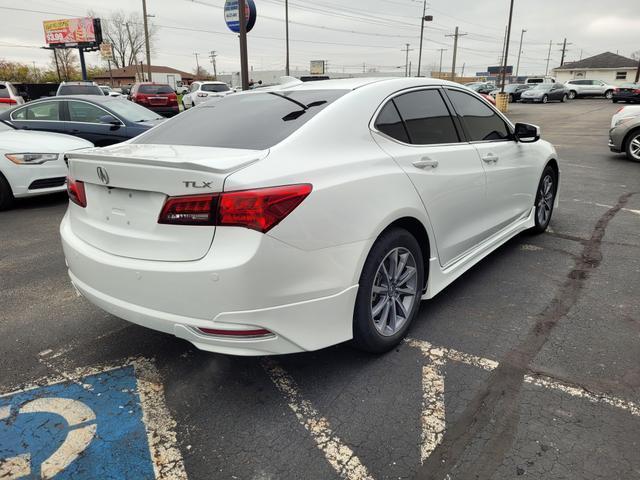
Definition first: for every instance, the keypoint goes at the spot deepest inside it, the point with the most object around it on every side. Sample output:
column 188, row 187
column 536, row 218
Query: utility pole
column 638, row 72
column 564, row 50
column 455, row 36
column 244, row 60
column 213, row 56
column 406, row 62
column 286, row 23
column 425, row 18
column 506, row 48
column 504, row 44
column 197, row 65
column 546, row 71
column 146, row 39
column 440, row 67
column 520, row 51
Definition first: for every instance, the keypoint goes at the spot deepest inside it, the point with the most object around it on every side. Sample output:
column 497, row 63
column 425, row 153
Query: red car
column 489, row 98
column 159, row 97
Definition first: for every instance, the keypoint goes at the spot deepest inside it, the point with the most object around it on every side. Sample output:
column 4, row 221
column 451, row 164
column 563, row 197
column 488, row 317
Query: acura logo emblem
column 103, row 175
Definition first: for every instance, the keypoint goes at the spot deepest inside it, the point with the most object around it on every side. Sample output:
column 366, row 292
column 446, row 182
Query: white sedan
column 200, row 92
column 31, row 163
column 310, row 215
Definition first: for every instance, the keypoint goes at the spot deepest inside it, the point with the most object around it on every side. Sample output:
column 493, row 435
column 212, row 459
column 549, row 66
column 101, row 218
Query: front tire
column 545, row 99
column 608, row 94
column 564, row 98
column 573, row 95
column 389, row 291
column 632, row 147
column 6, row 194
column 545, row 198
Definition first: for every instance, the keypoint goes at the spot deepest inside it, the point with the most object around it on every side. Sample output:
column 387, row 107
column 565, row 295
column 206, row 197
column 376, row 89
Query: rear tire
column 545, row 99
column 545, row 198
column 511, row 98
column 573, row 95
column 389, row 291
column 564, row 98
column 6, row 194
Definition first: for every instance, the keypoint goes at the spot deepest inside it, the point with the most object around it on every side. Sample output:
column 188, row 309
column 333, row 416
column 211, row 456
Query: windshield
column 80, row 90
column 155, row 89
column 249, row 121
column 132, row 111
column 214, row 87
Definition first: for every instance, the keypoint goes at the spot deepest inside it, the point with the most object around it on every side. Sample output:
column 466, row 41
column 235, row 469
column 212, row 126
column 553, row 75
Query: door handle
column 425, row 162
column 490, row 158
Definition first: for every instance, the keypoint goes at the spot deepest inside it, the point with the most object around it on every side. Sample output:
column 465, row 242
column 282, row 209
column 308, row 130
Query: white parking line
column 339, row 455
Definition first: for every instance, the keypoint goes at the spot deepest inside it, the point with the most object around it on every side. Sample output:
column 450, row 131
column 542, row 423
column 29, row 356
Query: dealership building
column 608, row 67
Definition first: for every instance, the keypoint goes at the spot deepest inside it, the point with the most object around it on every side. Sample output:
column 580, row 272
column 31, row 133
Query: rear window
column 155, row 89
column 4, row 91
column 214, row 87
column 80, row 90
column 253, row 121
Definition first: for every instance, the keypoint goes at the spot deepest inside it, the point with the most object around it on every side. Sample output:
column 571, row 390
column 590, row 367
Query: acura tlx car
column 293, row 218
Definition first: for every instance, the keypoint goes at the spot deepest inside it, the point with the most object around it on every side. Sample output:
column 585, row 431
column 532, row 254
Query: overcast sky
column 349, row 34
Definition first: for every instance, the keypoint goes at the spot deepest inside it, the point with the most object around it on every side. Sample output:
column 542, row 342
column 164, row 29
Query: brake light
column 202, row 95
column 260, row 209
column 9, row 101
column 637, row 91
column 76, row 192
column 189, row 210
column 140, row 99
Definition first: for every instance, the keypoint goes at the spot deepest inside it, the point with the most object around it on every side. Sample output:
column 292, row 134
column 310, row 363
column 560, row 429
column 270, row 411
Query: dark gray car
column 625, row 137
column 545, row 92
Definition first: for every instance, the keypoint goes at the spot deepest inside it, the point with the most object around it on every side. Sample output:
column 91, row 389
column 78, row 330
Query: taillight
column 190, row 210
column 76, row 192
column 140, row 99
column 637, row 91
column 258, row 332
column 203, row 95
column 173, row 99
column 260, row 209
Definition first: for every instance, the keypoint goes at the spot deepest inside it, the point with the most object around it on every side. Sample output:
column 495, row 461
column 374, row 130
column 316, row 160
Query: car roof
column 354, row 83
column 210, row 82
column 89, row 98
column 79, row 82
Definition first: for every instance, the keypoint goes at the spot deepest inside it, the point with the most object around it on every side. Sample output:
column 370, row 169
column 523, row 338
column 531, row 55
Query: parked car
column 589, row 88
column 101, row 120
column 32, row 163
column 536, row 80
column 625, row 112
column 482, row 87
column 488, row 98
column 201, row 92
column 158, row 97
column 624, row 136
column 545, row 92
column 310, row 215
column 9, row 96
column 107, row 90
column 514, row 90
column 79, row 88
column 627, row 92
column 182, row 88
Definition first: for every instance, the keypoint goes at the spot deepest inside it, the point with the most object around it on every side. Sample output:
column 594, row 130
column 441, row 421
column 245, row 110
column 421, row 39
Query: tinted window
column 390, row 123
column 427, row 118
column 132, row 111
column 40, row 111
column 4, row 91
column 250, row 121
column 481, row 122
column 155, row 89
column 214, row 87
column 80, row 90
column 85, row 112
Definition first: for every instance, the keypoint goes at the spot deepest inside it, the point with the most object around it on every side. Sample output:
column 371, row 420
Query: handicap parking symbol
column 86, row 429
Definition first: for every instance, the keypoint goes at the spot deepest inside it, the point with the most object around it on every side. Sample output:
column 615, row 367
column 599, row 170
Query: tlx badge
column 197, row 184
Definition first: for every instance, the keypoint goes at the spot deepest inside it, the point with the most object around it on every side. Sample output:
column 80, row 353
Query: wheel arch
column 627, row 137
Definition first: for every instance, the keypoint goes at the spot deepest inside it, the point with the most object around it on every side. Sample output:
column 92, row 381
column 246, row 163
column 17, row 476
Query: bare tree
column 67, row 62
column 125, row 32
column 201, row 73
column 636, row 55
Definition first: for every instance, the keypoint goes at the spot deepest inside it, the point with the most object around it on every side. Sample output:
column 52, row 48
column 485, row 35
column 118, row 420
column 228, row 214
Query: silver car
column 589, row 88
column 625, row 137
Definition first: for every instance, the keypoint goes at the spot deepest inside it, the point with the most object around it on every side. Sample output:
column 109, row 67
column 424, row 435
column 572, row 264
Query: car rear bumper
column 305, row 298
column 165, row 111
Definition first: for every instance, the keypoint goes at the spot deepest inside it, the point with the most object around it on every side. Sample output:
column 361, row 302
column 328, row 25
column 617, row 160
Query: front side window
column 426, row 117
column 85, row 112
column 480, row 121
column 42, row 111
column 255, row 121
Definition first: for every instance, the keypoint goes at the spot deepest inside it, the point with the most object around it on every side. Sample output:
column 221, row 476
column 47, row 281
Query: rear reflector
column 258, row 332
column 260, row 209
column 76, row 192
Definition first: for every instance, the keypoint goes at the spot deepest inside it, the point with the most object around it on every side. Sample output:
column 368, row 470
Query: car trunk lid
column 127, row 185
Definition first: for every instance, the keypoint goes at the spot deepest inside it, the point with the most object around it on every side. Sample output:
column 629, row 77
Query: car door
column 87, row 121
column 45, row 116
column 511, row 167
column 416, row 129
column 557, row 92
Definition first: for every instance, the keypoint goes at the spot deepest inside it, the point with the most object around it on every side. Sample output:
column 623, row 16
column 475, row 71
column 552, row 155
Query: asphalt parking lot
column 527, row 366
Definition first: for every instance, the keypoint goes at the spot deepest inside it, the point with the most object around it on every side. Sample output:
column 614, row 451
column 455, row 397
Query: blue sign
column 88, row 429
column 232, row 14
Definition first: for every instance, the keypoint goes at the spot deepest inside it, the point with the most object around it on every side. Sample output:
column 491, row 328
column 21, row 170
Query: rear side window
column 390, row 123
column 41, row 111
column 253, row 121
column 427, row 118
column 155, row 89
column 80, row 90
column 4, row 91
column 480, row 121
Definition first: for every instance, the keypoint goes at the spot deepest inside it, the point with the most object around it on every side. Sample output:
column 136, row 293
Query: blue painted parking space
column 87, row 429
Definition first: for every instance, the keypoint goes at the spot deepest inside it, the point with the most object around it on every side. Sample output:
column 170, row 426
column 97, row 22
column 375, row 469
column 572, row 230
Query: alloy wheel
column 394, row 291
column 545, row 200
column 634, row 147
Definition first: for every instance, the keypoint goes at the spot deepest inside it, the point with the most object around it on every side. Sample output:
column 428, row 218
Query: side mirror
column 110, row 120
column 527, row 133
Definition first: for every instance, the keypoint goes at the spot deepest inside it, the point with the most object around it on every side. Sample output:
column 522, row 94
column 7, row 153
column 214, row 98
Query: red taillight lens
column 140, row 99
column 258, row 332
column 76, row 192
column 637, row 91
column 260, row 209
column 190, row 210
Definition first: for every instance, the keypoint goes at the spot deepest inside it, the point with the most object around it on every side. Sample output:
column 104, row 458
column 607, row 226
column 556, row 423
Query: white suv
column 589, row 88
column 9, row 96
column 201, row 92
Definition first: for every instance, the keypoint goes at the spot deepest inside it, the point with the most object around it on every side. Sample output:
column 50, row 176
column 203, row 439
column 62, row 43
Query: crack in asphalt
column 493, row 413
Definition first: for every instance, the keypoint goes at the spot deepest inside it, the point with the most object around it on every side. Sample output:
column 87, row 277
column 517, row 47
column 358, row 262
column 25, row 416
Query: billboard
column 498, row 70
column 316, row 67
column 69, row 31
column 106, row 51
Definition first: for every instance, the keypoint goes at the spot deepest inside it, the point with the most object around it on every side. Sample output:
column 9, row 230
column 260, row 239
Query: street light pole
column 286, row 22
column 425, row 18
column 520, row 51
column 440, row 67
column 146, row 39
column 506, row 49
